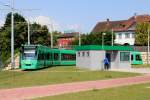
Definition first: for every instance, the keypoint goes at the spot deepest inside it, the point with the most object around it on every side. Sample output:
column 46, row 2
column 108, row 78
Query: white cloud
column 1, row 23
column 44, row 20
column 74, row 27
column 51, row 23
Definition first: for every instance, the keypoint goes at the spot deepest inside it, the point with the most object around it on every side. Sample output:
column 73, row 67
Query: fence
column 140, row 48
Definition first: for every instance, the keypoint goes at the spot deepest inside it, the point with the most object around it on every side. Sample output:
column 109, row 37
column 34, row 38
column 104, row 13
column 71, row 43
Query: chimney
column 108, row 21
column 135, row 16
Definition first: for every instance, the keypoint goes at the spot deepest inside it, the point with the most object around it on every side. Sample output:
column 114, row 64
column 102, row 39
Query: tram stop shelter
column 92, row 57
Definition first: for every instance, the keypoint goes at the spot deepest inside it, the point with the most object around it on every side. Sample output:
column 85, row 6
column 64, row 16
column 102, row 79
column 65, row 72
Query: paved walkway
column 134, row 70
column 50, row 90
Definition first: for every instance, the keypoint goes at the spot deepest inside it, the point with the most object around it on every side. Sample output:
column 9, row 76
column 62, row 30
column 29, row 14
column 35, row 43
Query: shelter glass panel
column 124, row 56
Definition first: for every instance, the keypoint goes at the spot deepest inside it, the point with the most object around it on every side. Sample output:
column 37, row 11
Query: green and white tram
column 37, row 56
column 136, row 58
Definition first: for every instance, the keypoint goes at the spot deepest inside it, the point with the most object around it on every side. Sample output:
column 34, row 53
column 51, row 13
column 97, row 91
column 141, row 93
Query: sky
column 79, row 15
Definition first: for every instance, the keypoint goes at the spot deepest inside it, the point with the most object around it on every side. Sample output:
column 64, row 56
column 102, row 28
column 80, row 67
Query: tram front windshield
column 29, row 54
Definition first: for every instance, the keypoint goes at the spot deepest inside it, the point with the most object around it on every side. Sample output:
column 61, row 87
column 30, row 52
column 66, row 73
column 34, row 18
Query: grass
column 141, row 66
column 54, row 75
column 134, row 92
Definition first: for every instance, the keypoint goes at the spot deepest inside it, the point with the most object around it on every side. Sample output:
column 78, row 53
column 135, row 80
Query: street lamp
column 28, row 32
column 12, row 33
column 79, row 39
column 103, row 34
column 148, row 49
column 112, row 40
column 51, row 35
column 0, row 57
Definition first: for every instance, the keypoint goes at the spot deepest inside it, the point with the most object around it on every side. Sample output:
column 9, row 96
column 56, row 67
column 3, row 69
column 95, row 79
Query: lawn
column 134, row 92
column 54, row 75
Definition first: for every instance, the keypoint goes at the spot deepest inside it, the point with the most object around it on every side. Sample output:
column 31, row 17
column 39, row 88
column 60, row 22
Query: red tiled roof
column 122, row 25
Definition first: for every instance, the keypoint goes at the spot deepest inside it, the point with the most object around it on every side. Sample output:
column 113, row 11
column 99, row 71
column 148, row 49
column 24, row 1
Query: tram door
column 108, row 55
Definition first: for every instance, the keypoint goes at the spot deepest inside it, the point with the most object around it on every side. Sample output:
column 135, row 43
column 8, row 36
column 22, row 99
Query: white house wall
column 123, row 40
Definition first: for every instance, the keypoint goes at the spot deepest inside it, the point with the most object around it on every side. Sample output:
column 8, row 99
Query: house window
column 124, row 56
column 127, row 35
column 120, row 36
column 133, row 35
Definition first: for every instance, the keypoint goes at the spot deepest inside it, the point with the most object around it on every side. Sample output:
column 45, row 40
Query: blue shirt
column 106, row 61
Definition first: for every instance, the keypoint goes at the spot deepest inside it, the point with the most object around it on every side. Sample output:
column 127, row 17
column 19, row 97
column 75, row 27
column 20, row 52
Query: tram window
column 78, row 54
column 29, row 53
column 38, row 56
column 83, row 53
column 64, row 57
column 138, row 58
column 42, row 56
column 132, row 57
column 74, row 57
column 56, row 56
column 68, row 57
column 50, row 55
column 47, row 56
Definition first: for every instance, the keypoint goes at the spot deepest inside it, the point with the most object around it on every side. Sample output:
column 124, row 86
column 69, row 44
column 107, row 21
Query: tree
column 5, row 34
column 39, row 34
column 17, row 18
column 94, row 39
column 141, row 36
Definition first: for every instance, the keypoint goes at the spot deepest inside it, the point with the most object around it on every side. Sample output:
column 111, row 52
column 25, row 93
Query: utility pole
column 12, row 35
column 28, row 32
column 11, row 6
column 103, row 34
column 79, row 39
column 0, row 56
column 112, row 41
column 52, row 35
column 148, row 49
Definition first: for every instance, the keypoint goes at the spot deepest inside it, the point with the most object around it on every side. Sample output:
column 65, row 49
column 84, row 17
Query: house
column 124, row 29
column 92, row 57
column 66, row 39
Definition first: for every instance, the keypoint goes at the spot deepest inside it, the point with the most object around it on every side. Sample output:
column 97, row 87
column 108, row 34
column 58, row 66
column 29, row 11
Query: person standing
column 106, row 63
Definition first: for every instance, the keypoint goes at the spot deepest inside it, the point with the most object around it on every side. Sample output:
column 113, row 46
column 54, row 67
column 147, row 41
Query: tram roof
column 64, row 51
column 106, row 48
column 57, row 50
